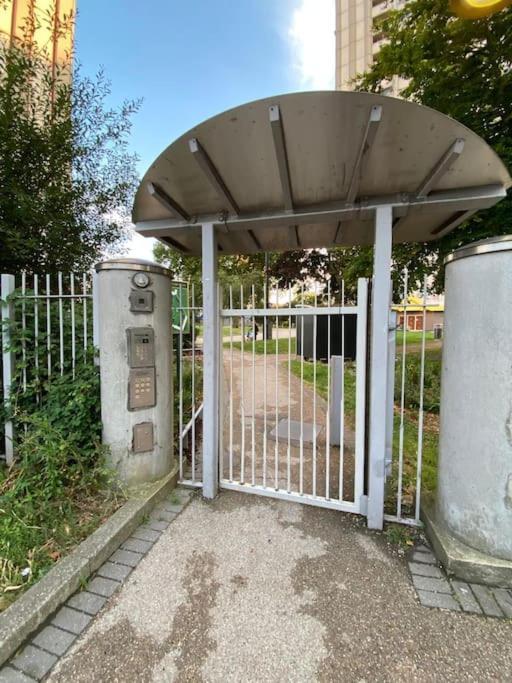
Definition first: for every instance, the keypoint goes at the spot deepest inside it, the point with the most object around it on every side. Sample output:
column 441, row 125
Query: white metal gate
column 293, row 427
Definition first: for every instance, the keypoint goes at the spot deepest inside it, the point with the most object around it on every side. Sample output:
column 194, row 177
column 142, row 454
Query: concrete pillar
column 135, row 337
column 474, row 495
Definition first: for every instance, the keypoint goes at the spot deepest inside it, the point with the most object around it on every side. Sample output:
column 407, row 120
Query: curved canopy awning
column 308, row 170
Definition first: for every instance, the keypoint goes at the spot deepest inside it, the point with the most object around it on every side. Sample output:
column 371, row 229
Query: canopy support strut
column 379, row 364
column 210, row 362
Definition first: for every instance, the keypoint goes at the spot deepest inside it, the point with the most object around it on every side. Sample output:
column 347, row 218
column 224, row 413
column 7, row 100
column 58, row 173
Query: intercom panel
column 141, row 301
column 141, row 347
column 142, row 388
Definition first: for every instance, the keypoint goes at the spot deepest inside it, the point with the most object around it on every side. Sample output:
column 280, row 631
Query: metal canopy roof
column 308, row 169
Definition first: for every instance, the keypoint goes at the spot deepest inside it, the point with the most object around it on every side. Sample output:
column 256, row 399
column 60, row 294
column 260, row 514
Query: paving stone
column 423, row 548
column 8, row 675
column 87, row 602
column 504, row 599
column 117, row 572
column 426, row 570
column 126, row 557
column 423, row 557
column 157, row 524
column 466, row 598
column 54, row 640
column 427, row 583
column 171, row 506
column 71, row 620
column 184, row 495
column 160, row 514
column 146, row 534
column 441, row 600
column 486, row 600
column 34, row 662
column 136, row 545
column 102, row 586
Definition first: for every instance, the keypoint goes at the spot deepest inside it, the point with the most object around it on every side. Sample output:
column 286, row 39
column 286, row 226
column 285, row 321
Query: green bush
column 432, row 391
column 59, row 488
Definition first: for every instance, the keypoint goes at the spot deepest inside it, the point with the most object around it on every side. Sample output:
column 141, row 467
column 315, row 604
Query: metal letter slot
column 143, row 440
column 141, row 388
column 141, row 347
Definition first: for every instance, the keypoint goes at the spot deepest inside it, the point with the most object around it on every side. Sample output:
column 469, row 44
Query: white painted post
column 391, row 391
column 95, row 315
column 210, row 363
column 335, row 399
column 379, row 364
column 7, row 288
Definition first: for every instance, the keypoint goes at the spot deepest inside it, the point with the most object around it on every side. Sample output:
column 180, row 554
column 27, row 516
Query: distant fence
column 47, row 329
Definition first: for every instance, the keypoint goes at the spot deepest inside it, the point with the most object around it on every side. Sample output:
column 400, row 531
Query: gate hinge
column 363, row 505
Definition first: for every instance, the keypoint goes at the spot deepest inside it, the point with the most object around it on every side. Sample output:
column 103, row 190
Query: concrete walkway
column 251, row 589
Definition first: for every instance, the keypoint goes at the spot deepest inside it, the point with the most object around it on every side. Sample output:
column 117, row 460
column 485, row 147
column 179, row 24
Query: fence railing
column 48, row 326
column 47, row 329
column 415, row 435
column 188, row 387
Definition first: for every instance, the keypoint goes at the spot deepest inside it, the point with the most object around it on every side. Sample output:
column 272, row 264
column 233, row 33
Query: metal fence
column 294, row 418
column 415, row 424
column 188, row 380
column 47, row 328
column 48, row 325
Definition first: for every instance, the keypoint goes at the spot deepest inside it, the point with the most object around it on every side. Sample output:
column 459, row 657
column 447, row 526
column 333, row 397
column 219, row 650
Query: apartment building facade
column 358, row 40
column 45, row 22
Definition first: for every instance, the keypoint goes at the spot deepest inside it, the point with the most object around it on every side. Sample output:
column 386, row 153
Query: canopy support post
column 379, row 364
column 210, row 362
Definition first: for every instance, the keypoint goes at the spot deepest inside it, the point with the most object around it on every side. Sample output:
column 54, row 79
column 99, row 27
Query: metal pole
column 7, row 288
column 210, row 362
column 379, row 364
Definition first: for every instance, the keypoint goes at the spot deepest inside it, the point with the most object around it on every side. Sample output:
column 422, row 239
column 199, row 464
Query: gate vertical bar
column 379, row 364
column 210, row 362
column 7, row 289
column 361, row 334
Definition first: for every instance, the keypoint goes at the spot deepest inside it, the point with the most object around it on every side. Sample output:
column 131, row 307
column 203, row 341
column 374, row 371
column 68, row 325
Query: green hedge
column 432, row 393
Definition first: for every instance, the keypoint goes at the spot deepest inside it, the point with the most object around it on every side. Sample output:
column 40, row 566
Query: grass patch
column 259, row 346
column 412, row 337
column 322, row 383
column 410, row 431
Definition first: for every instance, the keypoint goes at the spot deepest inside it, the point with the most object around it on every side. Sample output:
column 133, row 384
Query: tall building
column 358, row 39
column 45, row 22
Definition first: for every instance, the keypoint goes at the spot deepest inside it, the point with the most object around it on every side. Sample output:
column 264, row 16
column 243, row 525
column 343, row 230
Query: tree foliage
column 66, row 176
column 462, row 68
column 245, row 271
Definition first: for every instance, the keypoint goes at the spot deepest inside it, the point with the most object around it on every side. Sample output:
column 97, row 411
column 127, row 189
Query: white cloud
column 312, row 40
column 138, row 246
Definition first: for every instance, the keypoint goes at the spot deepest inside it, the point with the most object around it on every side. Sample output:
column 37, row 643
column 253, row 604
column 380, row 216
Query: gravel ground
column 252, row 589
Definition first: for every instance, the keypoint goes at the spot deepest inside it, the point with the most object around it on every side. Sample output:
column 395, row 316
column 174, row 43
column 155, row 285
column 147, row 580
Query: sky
column 191, row 59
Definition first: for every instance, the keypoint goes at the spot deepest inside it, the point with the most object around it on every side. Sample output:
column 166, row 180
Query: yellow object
column 49, row 23
column 476, row 9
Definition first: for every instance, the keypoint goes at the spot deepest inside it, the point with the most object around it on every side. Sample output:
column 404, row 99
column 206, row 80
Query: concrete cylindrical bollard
column 135, row 339
column 474, row 497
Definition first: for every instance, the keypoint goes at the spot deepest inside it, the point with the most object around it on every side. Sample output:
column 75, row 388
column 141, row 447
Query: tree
column 235, row 272
column 66, row 176
column 464, row 69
